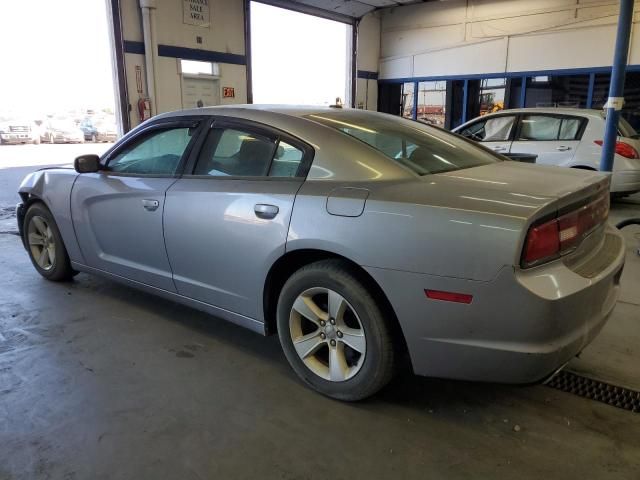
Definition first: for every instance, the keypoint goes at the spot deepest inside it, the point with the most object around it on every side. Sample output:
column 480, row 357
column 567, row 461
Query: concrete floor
column 100, row 381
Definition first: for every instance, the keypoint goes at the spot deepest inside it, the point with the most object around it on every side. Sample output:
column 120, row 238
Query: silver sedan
column 360, row 238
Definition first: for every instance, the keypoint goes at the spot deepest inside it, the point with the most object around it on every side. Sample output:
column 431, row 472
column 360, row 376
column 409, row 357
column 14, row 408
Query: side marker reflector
column 448, row 296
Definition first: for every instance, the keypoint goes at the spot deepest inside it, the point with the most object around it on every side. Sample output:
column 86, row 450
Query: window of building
column 432, row 101
column 631, row 107
column 492, row 92
column 515, row 92
column 557, row 91
column 407, row 99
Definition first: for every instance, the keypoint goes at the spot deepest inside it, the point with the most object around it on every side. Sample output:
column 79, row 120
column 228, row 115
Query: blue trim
column 415, row 100
column 465, row 100
column 523, row 92
column 188, row 53
column 592, row 81
column 133, row 47
column 530, row 73
column 367, row 75
column 201, row 55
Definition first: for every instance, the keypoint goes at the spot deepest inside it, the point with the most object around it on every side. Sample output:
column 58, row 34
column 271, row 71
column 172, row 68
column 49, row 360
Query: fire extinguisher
column 144, row 109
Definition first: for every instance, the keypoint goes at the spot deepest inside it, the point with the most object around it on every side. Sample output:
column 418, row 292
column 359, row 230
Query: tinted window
column 542, row 128
column 286, row 161
column 157, row 153
column 231, row 152
column 494, row 129
column 419, row 147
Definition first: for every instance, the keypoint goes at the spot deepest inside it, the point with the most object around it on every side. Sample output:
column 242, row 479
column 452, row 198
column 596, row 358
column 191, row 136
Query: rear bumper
column 519, row 328
column 625, row 181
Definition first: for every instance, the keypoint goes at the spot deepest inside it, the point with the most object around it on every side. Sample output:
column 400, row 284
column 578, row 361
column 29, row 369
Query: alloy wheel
column 41, row 242
column 327, row 334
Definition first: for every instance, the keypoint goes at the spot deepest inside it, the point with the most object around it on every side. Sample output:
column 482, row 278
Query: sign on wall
column 228, row 92
column 196, row 12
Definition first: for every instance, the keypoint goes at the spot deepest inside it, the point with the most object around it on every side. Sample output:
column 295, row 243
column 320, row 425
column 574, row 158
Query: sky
column 302, row 61
column 55, row 56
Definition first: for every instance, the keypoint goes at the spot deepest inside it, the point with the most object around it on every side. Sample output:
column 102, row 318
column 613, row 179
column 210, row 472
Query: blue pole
column 616, row 87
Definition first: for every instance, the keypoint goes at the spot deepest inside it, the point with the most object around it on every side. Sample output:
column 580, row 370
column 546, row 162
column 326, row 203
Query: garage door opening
column 298, row 58
column 59, row 84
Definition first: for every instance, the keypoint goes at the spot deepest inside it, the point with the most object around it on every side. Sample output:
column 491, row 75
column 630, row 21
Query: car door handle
column 563, row 148
column 265, row 211
column 499, row 148
column 150, row 205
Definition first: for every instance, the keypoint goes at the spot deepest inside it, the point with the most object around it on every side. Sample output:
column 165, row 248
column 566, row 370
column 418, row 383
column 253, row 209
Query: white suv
column 566, row 137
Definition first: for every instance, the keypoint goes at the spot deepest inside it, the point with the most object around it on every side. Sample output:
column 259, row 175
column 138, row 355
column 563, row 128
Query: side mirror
column 87, row 163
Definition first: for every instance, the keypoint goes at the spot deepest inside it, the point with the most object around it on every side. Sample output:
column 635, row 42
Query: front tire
column 44, row 244
column 334, row 333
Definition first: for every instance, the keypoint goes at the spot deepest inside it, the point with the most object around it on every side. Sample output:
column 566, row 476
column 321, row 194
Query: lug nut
column 333, row 321
column 323, row 336
column 339, row 334
column 333, row 343
column 322, row 323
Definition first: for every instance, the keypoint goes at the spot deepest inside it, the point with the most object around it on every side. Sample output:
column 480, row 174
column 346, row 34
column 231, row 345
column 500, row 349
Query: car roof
column 234, row 109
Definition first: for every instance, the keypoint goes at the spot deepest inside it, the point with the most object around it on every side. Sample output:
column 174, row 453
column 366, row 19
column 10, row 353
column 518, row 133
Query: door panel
column 221, row 239
column 118, row 223
column 556, row 152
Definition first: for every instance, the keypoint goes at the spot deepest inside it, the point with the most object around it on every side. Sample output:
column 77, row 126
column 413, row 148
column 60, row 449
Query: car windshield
column 421, row 148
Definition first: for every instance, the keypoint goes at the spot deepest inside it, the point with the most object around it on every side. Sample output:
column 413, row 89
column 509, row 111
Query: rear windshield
column 422, row 148
column 626, row 130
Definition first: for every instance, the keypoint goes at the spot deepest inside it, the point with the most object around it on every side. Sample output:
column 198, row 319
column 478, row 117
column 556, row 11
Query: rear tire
column 44, row 244
column 346, row 350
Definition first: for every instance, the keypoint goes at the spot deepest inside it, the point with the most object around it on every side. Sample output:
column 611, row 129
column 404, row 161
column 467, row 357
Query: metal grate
column 595, row 390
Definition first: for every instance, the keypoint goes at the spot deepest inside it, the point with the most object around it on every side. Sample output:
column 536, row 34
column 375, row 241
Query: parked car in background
column 356, row 236
column 566, row 137
column 19, row 131
column 99, row 129
column 59, row 130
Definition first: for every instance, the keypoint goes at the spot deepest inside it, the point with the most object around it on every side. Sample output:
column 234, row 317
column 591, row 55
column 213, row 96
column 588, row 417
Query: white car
column 566, row 137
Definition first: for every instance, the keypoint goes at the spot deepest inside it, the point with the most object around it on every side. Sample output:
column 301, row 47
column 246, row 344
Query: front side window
column 421, row 148
column 157, row 153
column 548, row 128
column 494, row 129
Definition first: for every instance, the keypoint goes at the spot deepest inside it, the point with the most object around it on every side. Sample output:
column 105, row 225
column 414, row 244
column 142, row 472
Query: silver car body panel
column 461, row 231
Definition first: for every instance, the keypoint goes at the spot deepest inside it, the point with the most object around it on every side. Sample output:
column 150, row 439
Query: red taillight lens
column 623, row 149
column 542, row 243
column 559, row 236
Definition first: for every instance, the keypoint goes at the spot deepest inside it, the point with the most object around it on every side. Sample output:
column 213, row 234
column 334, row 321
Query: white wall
column 367, row 60
column 458, row 37
column 224, row 34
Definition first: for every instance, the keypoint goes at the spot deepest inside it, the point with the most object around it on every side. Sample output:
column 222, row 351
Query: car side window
column 570, row 128
column 157, row 153
column 286, row 160
column 494, row 129
column 539, row 127
column 239, row 153
column 546, row 128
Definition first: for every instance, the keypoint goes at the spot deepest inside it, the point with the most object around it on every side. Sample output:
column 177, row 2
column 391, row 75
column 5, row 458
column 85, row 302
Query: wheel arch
column 293, row 260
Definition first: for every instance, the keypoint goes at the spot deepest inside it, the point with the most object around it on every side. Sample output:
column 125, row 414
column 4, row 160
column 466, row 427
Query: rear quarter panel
column 53, row 187
column 396, row 233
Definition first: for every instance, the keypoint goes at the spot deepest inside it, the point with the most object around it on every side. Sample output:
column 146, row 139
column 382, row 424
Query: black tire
column 60, row 269
column 378, row 364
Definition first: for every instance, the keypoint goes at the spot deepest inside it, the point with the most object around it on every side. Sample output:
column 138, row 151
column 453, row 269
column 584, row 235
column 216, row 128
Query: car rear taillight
column 623, row 149
column 561, row 235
